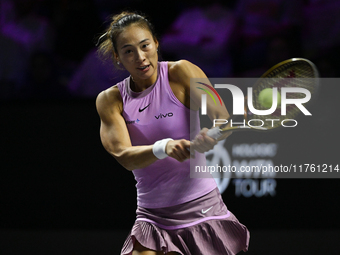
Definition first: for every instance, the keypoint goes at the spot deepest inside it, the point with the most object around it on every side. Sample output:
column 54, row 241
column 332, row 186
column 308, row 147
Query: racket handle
column 214, row 133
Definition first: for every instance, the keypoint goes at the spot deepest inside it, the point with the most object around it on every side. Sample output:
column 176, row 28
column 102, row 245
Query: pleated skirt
column 203, row 226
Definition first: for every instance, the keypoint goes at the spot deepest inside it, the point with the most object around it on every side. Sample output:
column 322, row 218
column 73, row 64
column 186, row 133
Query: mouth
column 144, row 68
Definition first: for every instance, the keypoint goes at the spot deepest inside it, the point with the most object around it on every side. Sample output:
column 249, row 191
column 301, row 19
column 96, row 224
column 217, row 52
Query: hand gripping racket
column 295, row 72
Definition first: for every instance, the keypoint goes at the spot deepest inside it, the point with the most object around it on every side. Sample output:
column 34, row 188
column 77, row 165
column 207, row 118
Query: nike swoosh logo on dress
column 205, row 211
column 140, row 110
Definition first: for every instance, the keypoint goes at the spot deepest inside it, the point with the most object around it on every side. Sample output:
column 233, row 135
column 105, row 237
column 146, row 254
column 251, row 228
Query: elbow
column 122, row 153
column 124, row 159
column 127, row 165
column 131, row 157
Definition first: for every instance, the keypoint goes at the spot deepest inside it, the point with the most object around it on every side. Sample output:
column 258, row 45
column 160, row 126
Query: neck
column 139, row 85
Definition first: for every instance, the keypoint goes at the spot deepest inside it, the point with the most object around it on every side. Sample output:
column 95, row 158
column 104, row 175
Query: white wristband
column 158, row 148
column 214, row 133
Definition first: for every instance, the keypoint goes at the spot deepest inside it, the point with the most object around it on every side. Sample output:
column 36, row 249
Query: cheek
column 126, row 59
column 154, row 53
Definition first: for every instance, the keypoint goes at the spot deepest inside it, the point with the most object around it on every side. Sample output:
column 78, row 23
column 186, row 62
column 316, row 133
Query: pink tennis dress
column 175, row 212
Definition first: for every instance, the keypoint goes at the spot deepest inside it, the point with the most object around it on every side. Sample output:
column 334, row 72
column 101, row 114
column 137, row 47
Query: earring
column 118, row 63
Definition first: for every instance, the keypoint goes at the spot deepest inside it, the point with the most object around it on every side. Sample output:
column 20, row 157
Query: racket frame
column 217, row 132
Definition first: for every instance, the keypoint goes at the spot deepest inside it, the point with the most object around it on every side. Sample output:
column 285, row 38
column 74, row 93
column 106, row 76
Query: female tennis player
column 145, row 126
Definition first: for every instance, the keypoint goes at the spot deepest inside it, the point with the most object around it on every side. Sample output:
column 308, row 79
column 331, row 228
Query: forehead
column 133, row 34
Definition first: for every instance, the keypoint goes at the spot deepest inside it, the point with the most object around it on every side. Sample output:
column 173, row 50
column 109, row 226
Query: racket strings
column 299, row 74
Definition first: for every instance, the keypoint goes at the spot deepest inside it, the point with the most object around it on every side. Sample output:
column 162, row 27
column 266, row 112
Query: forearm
column 135, row 157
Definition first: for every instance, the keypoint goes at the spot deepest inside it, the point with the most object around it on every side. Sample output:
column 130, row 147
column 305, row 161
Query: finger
column 182, row 149
column 204, row 140
column 209, row 140
column 180, row 156
column 186, row 151
column 204, row 130
column 199, row 145
column 203, row 143
column 191, row 151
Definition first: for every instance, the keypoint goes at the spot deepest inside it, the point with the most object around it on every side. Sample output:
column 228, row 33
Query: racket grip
column 214, row 133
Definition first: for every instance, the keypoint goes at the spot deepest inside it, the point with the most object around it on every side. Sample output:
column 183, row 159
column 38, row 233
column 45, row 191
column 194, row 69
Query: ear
column 156, row 43
column 116, row 57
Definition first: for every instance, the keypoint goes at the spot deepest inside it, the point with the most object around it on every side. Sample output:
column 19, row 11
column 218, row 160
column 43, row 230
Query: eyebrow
column 127, row 45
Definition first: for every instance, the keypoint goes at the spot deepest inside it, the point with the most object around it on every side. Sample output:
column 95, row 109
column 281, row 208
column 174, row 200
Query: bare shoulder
column 109, row 101
column 182, row 70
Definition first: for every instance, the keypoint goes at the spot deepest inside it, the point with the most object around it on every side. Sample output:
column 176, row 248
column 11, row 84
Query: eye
column 145, row 45
column 128, row 51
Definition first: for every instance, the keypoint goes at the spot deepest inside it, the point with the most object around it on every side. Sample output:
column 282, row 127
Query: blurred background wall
column 62, row 193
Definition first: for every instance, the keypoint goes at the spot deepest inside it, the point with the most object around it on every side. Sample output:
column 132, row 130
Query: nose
column 140, row 56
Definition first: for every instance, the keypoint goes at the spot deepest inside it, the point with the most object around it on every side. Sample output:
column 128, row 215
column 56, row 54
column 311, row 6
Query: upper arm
column 113, row 131
column 184, row 72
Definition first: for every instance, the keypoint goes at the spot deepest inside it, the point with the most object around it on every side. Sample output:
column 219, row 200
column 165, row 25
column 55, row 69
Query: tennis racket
column 295, row 72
